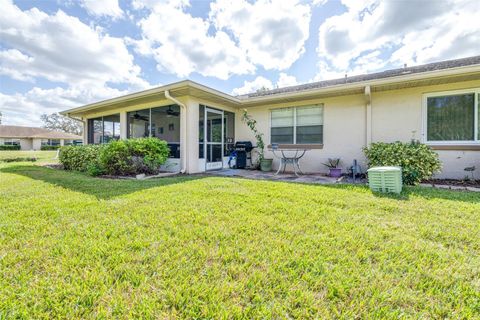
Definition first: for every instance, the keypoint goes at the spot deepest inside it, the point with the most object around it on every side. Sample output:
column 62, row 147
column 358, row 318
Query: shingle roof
column 33, row 132
column 373, row 76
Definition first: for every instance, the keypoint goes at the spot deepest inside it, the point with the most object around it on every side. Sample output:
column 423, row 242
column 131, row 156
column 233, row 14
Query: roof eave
column 184, row 84
column 361, row 84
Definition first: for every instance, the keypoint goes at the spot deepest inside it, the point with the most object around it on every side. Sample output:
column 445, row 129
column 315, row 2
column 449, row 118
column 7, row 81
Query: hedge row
column 19, row 159
column 45, row 148
column 418, row 161
column 122, row 157
column 8, row 147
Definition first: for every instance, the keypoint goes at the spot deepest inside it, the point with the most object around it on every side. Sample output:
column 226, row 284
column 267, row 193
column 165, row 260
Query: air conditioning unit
column 385, row 179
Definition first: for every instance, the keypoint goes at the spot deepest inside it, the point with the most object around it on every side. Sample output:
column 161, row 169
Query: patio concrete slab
column 259, row 175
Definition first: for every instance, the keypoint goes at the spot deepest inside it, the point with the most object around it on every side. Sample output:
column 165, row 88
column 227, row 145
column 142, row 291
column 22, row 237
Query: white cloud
column 373, row 34
column 61, row 48
column 252, row 86
column 237, row 36
column 319, row 2
column 9, row 59
column 285, row 80
column 181, row 44
column 273, row 32
column 101, row 8
column 25, row 109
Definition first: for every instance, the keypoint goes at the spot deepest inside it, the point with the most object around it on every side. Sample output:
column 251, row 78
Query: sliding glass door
column 214, row 142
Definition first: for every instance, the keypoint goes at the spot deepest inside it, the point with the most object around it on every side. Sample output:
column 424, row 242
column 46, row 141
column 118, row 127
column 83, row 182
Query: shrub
column 45, row 148
column 134, row 156
column 80, row 158
column 417, row 160
column 122, row 157
column 95, row 169
column 8, row 147
column 116, row 158
column 153, row 151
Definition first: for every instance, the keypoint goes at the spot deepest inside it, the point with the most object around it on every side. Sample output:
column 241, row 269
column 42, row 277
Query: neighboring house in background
column 32, row 138
column 436, row 103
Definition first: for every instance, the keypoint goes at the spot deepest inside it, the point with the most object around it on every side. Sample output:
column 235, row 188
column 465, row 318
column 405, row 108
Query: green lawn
column 72, row 246
column 42, row 156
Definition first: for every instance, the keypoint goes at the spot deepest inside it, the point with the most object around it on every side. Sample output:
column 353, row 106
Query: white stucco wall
column 26, row 144
column 36, row 144
column 395, row 115
column 343, row 131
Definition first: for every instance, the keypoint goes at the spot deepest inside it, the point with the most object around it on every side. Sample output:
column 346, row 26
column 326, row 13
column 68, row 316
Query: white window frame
column 320, row 105
column 475, row 141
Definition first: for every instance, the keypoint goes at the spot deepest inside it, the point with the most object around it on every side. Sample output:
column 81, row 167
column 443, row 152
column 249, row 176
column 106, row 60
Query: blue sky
column 56, row 55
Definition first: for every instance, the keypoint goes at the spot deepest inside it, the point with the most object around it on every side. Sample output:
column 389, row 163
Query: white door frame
column 218, row 164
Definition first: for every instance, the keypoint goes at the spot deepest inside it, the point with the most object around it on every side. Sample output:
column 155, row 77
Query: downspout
column 368, row 116
column 183, row 128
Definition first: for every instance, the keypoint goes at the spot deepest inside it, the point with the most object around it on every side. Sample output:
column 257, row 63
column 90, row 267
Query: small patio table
column 292, row 158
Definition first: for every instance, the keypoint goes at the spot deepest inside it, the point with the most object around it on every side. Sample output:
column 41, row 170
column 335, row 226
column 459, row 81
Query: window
column 297, row 125
column 104, row 129
column 50, row 142
column 453, row 117
column 12, row 142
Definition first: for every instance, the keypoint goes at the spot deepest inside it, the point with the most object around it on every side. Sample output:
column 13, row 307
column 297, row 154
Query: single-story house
column 32, row 138
column 436, row 103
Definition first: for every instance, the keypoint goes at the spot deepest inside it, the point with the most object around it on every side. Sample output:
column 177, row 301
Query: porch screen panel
column 111, row 128
column 309, row 127
column 165, row 125
column 229, row 134
column 282, row 125
column 138, row 123
column 451, row 118
column 201, row 131
column 95, row 130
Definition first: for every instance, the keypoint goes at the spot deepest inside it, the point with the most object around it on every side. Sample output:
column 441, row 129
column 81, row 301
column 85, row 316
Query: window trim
column 475, row 141
column 321, row 105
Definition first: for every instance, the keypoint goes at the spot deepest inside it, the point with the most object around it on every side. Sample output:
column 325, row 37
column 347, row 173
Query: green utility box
column 385, row 179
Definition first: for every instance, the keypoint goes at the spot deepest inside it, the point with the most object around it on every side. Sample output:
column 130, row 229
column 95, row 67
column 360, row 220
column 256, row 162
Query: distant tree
column 0, row 117
column 262, row 89
column 58, row 122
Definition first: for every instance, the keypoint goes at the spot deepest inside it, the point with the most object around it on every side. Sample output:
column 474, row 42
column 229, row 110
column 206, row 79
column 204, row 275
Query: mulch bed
column 161, row 174
column 455, row 183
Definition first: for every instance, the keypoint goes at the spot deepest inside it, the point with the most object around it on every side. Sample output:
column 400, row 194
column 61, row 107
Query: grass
column 72, row 246
column 42, row 156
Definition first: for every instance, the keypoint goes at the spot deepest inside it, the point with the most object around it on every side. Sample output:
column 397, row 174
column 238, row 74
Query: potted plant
column 332, row 164
column 265, row 164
